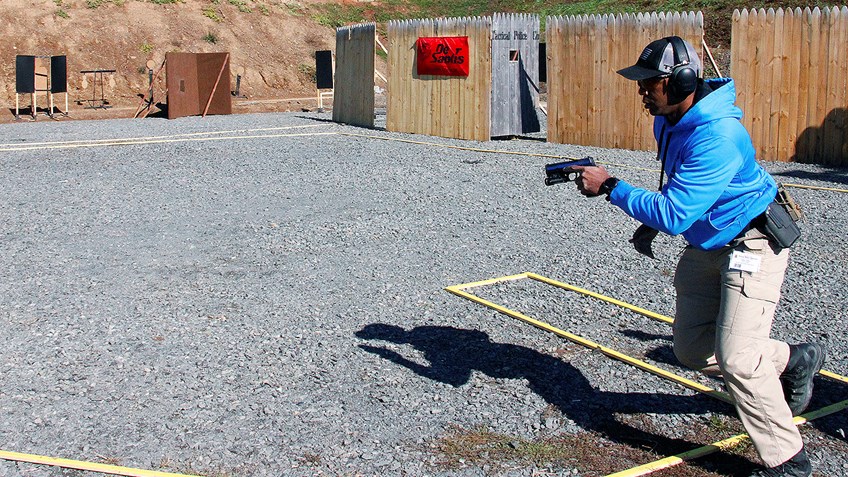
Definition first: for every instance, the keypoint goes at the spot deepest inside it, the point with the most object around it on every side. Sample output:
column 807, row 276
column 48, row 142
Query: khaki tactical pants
column 722, row 326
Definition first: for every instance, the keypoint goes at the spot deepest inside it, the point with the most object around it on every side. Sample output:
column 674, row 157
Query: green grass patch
column 308, row 71
column 461, row 447
column 334, row 15
column 96, row 3
column 211, row 13
column 293, row 9
column 241, row 5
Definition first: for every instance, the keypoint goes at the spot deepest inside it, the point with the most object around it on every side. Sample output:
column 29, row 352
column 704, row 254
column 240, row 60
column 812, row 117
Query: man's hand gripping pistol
column 564, row 171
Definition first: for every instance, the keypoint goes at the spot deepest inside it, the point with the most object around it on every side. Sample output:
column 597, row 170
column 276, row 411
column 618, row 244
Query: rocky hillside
column 271, row 43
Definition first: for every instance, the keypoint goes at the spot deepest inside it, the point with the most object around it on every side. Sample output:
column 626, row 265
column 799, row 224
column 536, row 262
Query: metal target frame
column 56, row 82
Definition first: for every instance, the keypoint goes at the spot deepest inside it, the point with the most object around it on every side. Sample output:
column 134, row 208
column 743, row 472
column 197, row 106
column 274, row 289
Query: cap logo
column 646, row 53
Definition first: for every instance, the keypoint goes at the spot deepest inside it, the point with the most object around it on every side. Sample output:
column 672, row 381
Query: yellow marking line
column 667, row 462
column 88, row 466
column 170, row 136
column 459, row 291
column 489, row 151
column 152, row 140
column 164, row 141
column 550, row 156
column 801, row 186
column 641, row 311
column 725, row 444
column 492, row 281
column 834, row 376
column 622, row 304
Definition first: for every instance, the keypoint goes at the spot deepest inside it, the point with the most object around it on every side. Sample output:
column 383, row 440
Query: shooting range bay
column 263, row 295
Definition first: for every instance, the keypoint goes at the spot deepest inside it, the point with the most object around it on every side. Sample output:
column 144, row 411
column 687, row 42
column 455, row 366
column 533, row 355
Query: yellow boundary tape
column 725, row 444
column 549, row 156
column 667, row 462
column 89, row 466
column 622, row 304
column 130, row 142
column 459, row 290
column 491, row 151
column 11, row 147
column 802, row 186
column 202, row 133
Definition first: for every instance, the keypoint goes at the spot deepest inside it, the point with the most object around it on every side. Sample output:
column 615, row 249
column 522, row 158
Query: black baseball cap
column 659, row 59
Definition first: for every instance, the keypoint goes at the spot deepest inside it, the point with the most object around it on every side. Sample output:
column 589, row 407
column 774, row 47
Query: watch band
column 607, row 187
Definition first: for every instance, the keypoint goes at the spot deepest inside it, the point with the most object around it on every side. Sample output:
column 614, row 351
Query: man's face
column 654, row 93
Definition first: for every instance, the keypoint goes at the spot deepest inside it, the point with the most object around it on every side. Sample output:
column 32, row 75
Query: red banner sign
column 443, row 56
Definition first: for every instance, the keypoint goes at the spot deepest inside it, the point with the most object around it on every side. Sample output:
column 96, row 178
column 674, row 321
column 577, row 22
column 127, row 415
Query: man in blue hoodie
column 728, row 278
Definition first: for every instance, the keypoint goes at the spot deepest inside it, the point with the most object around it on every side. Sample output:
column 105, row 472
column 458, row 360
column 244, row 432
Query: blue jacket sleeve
column 696, row 182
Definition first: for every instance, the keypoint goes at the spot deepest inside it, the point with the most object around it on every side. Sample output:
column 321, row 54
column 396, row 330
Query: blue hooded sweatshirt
column 715, row 186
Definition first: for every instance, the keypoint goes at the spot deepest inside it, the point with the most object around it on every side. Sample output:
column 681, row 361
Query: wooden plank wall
column 454, row 107
column 515, row 84
column 588, row 102
column 353, row 94
column 791, row 74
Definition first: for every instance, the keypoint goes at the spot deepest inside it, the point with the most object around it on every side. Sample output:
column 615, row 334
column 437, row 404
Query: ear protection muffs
column 683, row 79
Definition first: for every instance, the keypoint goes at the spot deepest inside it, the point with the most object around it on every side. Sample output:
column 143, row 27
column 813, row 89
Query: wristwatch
column 607, row 187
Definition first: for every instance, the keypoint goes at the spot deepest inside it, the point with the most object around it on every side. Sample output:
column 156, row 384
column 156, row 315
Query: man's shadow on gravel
column 455, row 353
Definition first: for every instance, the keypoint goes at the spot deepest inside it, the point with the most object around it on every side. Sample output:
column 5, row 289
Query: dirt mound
column 271, row 44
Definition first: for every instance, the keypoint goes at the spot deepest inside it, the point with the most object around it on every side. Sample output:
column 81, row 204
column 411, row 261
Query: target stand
column 40, row 74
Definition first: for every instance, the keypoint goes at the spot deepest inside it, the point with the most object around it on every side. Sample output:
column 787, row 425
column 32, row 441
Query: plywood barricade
column 448, row 106
column 515, row 74
column 198, row 84
column 353, row 93
column 588, row 102
column 791, row 74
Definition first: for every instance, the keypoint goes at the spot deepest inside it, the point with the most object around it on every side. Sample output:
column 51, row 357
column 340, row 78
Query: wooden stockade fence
column 454, row 106
column 353, row 95
column 588, row 102
column 791, row 72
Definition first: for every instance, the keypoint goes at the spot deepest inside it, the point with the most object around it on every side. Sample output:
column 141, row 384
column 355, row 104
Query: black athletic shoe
column 797, row 466
column 805, row 360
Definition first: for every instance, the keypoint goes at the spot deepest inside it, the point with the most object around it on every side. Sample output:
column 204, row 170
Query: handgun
column 564, row 171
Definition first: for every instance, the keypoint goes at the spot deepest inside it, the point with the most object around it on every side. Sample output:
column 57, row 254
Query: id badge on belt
column 745, row 261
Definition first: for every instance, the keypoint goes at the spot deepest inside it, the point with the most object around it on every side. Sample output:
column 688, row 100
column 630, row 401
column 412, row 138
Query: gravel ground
column 233, row 300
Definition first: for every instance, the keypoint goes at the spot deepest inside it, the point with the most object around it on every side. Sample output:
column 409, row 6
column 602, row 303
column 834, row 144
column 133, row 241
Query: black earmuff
column 684, row 79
